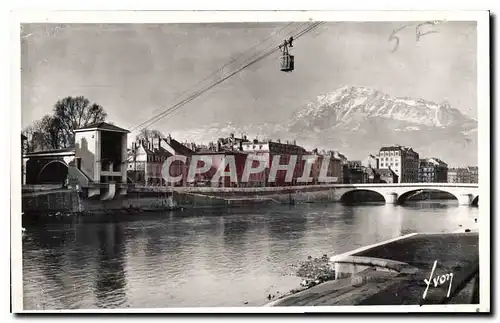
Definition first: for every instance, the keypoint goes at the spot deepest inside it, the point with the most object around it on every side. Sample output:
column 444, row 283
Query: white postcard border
column 483, row 94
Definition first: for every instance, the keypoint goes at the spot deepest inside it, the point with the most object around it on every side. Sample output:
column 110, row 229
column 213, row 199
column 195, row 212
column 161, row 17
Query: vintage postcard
column 250, row 162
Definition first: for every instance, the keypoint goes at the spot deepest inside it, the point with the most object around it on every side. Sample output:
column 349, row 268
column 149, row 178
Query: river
column 207, row 258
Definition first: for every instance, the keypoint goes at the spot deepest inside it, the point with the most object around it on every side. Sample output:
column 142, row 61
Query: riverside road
column 195, row 258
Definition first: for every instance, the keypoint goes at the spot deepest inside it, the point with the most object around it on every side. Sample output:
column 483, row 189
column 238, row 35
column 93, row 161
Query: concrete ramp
column 347, row 266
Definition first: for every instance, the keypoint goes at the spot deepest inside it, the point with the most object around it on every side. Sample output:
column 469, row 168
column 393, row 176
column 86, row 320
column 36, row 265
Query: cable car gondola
column 287, row 60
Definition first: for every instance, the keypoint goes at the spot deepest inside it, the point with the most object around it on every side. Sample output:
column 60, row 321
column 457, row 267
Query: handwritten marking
column 393, row 37
column 419, row 26
column 438, row 281
column 418, row 32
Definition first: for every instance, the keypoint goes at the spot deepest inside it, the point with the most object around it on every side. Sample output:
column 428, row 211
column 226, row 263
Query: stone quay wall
column 67, row 200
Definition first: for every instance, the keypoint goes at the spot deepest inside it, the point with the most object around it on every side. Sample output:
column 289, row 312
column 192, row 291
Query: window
column 397, row 164
column 392, row 153
column 397, row 153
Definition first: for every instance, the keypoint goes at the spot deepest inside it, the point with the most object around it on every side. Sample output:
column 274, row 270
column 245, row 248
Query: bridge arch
column 475, row 201
column 403, row 197
column 362, row 195
column 55, row 171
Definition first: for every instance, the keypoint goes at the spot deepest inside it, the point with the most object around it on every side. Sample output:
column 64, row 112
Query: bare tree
column 57, row 130
column 75, row 112
column 147, row 134
column 43, row 134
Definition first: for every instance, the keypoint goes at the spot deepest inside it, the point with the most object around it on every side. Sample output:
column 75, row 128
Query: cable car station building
column 96, row 167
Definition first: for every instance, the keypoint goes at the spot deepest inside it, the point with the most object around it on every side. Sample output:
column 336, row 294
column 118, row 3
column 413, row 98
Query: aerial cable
column 189, row 99
column 172, row 109
column 252, row 57
column 224, row 66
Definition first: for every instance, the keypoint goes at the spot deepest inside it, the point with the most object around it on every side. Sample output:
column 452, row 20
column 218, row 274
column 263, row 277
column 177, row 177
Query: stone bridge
column 397, row 193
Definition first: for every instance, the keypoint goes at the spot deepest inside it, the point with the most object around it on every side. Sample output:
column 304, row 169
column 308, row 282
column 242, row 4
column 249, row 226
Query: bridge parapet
column 397, row 193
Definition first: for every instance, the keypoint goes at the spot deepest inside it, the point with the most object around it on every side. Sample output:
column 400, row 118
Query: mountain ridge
column 358, row 121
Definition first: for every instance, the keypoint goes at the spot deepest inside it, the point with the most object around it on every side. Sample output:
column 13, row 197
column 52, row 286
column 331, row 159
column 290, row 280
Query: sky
column 136, row 70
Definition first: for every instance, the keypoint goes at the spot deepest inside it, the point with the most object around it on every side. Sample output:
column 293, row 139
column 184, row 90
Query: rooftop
column 102, row 126
column 179, row 148
column 396, row 147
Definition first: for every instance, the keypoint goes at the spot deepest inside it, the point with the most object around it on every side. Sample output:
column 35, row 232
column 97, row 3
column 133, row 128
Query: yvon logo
column 438, row 281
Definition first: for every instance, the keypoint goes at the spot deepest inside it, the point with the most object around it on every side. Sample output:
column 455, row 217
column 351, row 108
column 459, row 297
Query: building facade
column 474, row 174
column 404, row 161
column 101, row 152
column 355, row 173
column 432, row 170
column 146, row 160
column 387, row 176
column 463, row 175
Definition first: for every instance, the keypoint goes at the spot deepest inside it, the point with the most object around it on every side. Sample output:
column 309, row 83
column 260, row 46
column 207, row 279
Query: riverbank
column 142, row 199
column 68, row 201
column 393, row 272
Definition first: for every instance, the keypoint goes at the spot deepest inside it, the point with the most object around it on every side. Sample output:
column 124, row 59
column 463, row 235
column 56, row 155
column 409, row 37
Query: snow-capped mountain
column 358, row 121
column 349, row 103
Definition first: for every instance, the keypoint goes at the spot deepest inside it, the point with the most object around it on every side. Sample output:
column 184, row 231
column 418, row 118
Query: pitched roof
column 179, row 148
column 102, row 126
column 397, row 147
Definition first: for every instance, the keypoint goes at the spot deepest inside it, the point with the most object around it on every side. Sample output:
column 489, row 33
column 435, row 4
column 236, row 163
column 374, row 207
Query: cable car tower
column 287, row 63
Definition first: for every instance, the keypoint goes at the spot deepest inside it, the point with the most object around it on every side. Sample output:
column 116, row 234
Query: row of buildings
column 146, row 160
column 392, row 164
column 101, row 155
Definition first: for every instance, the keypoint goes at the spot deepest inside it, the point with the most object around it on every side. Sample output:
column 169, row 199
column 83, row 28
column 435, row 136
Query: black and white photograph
column 259, row 162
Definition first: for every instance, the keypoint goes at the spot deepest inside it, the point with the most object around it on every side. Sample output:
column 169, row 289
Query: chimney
column 278, row 141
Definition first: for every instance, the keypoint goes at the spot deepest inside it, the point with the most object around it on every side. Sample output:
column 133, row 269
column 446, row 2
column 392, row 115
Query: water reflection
column 288, row 224
column 207, row 258
column 110, row 279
